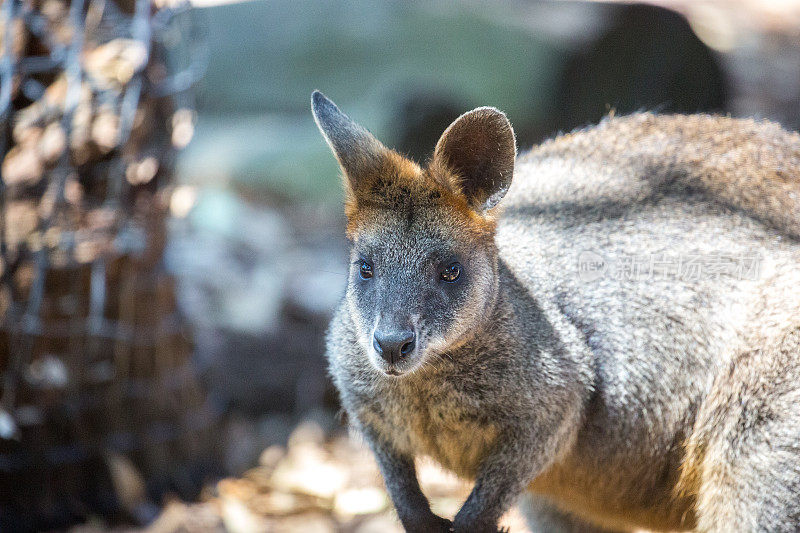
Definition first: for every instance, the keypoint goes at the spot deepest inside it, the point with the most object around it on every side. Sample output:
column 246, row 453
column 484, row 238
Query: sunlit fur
column 611, row 403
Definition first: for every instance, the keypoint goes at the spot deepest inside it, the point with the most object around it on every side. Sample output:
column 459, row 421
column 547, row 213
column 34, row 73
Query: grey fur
column 664, row 402
column 352, row 144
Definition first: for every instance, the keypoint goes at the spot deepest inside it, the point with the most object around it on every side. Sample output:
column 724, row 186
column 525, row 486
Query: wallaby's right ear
column 359, row 153
column 480, row 147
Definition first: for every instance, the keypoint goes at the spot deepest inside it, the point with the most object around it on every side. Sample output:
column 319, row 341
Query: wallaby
column 615, row 344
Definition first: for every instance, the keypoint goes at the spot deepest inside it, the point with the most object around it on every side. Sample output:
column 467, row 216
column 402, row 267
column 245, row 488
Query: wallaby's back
column 649, row 194
column 745, row 164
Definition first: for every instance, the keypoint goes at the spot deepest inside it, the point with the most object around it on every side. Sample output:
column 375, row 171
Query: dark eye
column 365, row 270
column 451, row 273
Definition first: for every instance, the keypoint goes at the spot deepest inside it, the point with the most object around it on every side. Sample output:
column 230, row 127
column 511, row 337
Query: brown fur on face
column 400, row 186
column 469, row 173
column 409, row 225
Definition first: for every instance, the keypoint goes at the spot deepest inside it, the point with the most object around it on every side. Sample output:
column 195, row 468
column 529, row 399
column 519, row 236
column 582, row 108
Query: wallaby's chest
column 438, row 422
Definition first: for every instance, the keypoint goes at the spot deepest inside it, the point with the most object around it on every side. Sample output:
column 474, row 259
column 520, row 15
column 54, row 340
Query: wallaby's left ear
column 359, row 153
column 480, row 147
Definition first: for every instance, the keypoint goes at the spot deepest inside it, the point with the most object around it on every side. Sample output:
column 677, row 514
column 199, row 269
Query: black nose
column 394, row 345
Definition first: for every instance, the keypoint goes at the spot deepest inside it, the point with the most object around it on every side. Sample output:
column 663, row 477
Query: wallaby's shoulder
column 749, row 165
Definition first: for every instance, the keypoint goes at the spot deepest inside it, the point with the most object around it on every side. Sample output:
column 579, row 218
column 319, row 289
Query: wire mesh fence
column 100, row 409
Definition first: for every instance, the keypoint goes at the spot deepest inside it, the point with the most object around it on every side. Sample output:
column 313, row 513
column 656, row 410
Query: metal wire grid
column 100, row 331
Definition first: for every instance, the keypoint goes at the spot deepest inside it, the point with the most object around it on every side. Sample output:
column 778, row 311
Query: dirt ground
column 315, row 484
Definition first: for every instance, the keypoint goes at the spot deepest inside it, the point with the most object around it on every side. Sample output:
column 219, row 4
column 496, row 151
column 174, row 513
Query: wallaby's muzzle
column 394, row 344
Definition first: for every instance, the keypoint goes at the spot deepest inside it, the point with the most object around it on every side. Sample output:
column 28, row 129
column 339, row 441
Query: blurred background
column 172, row 233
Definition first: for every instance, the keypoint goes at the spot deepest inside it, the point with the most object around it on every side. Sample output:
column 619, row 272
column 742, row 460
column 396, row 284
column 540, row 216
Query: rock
column 129, row 486
column 350, row 503
column 22, row 166
column 52, row 143
column 48, row 372
column 238, row 518
column 115, row 62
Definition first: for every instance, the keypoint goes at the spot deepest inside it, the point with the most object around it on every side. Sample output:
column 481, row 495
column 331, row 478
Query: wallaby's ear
column 479, row 146
column 359, row 153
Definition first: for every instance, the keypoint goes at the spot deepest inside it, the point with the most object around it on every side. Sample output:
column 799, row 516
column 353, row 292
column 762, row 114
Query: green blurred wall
column 255, row 129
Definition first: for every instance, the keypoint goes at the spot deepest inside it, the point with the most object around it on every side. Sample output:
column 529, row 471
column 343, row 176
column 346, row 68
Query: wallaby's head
column 423, row 270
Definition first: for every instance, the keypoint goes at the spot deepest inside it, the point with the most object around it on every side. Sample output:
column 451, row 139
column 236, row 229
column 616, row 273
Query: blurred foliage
column 376, row 60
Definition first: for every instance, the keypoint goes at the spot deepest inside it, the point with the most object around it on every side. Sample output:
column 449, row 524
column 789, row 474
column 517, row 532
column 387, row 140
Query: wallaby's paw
column 480, row 529
column 435, row 524
column 444, row 526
